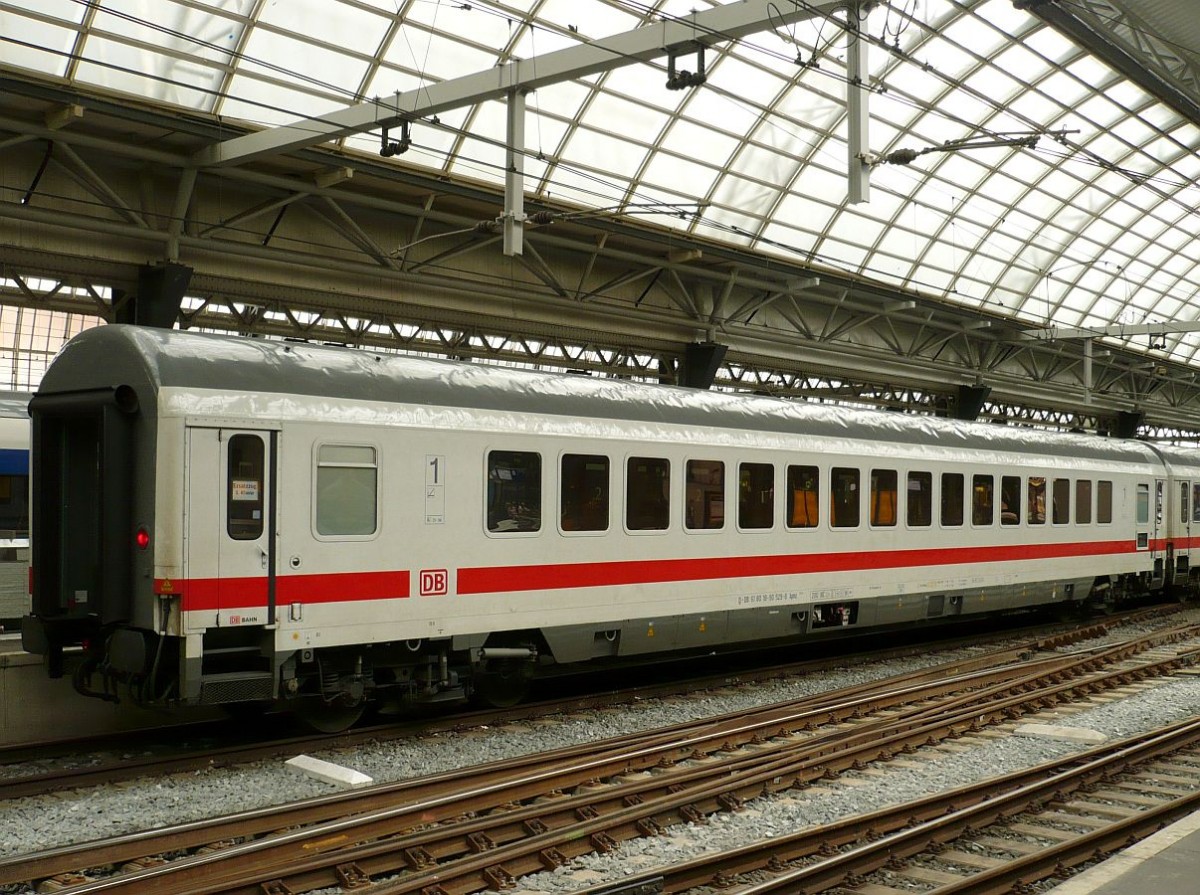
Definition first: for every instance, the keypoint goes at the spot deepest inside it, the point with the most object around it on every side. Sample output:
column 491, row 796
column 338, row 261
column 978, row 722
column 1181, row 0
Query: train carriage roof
column 151, row 359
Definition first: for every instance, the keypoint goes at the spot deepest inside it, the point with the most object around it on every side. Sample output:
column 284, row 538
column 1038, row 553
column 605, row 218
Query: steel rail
column 1094, row 764
column 847, row 867
column 623, row 753
column 202, row 874
column 439, row 805
column 107, row 772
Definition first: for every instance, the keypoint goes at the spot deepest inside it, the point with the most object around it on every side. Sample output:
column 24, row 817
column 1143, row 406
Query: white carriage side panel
column 201, row 485
column 170, row 507
column 338, row 587
column 229, row 536
column 1182, row 530
column 369, row 589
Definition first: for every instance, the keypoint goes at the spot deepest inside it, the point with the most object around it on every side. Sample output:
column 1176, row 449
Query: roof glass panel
column 646, row 86
column 639, row 123
column 704, row 144
column 1063, row 89
column 471, row 21
column 846, row 255
column 435, row 57
column 42, row 38
column 604, row 153
column 347, row 27
column 479, row 148
column 593, row 20
column 679, row 173
column 268, row 102
column 562, row 100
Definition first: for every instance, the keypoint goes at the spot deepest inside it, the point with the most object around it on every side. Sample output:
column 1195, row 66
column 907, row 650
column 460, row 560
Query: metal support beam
column 971, row 399
column 701, row 360
column 1087, row 371
column 730, row 21
column 1128, row 423
column 159, row 295
column 514, row 175
column 1117, row 330
column 858, row 111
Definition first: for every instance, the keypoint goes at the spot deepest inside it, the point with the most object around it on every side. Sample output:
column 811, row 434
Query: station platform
column 1167, row 863
column 34, row 707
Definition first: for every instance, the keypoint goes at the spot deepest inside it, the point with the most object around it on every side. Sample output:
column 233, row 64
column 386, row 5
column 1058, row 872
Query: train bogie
column 326, row 528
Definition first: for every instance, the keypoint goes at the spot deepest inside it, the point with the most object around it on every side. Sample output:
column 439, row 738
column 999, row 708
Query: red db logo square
column 434, row 582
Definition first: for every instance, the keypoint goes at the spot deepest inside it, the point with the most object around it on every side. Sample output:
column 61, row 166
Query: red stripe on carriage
column 606, row 574
column 203, row 594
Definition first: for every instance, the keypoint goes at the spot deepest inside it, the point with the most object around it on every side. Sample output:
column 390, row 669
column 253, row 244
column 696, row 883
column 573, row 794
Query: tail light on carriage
column 142, row 538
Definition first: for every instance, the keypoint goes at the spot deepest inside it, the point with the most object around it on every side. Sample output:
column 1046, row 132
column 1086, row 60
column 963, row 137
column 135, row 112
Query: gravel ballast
column 35, row 824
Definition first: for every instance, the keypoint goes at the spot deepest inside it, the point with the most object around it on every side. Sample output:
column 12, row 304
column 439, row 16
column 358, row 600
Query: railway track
column 110, row 759
column 999, row 836
column 487, row 826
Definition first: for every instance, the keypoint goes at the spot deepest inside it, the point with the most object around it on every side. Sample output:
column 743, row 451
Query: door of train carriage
column 230, row 543
column 1158, row 532
column 1179, row 533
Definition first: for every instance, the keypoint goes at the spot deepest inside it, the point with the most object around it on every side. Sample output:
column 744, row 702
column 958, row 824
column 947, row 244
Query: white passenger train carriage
column 229, row 520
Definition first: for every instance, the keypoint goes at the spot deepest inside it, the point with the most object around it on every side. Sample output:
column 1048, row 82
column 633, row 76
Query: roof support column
column 514, row 175
column 858, row 112
column 1087, row 371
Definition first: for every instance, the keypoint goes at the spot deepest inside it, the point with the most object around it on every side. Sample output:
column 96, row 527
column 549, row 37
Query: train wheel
column 328, row 717
column 502, row 685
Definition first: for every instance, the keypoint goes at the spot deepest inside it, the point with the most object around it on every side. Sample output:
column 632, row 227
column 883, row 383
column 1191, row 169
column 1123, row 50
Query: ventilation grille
column 236, row 687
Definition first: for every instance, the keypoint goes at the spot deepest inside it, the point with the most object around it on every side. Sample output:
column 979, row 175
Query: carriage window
column 647, row 494
column 584, row 486
column 347, row 479
column 1036, row 514
column 245, row 487
column 1143, row 504
column 843, row 497
column 920, row 499
column 1010, row 499
column 514, row 497
column 705, row 494
column 1103, row 501
column 952, row 498
column 756, row 495
column 1062, row 501
column 803, row 484
column 1083, row 502
column 1183, row 502
column 982, row 500
column 1196, row 501
column 883, row 497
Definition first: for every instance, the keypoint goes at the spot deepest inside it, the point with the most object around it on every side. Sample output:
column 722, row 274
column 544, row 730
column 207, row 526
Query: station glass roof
column 1039, row 182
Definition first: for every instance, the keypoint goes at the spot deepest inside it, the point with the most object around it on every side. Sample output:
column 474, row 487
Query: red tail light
column 142, row 538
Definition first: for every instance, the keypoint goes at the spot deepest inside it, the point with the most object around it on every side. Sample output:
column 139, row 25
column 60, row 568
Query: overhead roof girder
column 912, row 341
column 1112, row 33
column 668, row 36
column 829, row 374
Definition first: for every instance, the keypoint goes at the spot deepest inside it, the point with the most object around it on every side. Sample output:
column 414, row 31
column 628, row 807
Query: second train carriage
column 227, row 520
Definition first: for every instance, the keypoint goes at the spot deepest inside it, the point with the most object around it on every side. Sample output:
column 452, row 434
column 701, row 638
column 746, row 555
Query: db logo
column 434, row 582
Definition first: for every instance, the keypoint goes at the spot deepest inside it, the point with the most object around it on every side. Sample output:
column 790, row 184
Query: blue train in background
column 14, row 508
